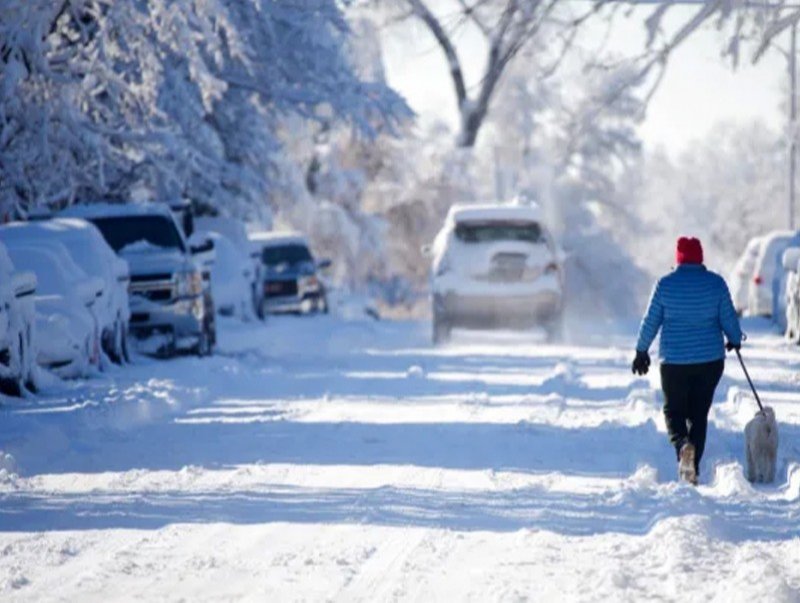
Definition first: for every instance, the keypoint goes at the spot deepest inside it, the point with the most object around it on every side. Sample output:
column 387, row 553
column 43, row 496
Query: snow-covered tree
column 507, row 28
column 165, row 98
column 568, row 142
column 725, row 189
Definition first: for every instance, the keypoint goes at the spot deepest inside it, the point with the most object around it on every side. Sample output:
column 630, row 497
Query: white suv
column 495, row 265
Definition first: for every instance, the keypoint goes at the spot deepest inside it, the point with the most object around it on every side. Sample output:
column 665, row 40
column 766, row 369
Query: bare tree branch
column 432, row 23
column 776, row 28
column 471, row 11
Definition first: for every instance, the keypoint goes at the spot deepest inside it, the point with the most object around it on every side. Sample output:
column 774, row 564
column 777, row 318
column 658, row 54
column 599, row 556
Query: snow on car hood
column 146, row 258
column 61, row 323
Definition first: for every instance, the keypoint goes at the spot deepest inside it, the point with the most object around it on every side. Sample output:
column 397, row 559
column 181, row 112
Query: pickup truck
column 168, row 293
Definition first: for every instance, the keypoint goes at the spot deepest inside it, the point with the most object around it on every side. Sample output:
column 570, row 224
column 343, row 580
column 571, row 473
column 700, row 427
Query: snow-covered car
column 17, row 327
column 764, row 296
column 236, row 232
column 495, row 266
column 791, row 266
column 289, row 275
column 781, row 301
column 742, row 273
column 89, row 250
column 67, row 330
column 231, row 279
column 168, row 308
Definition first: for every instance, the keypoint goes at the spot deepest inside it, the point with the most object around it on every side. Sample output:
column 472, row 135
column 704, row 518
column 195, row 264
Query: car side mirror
column 324, row 264
column 201, row 244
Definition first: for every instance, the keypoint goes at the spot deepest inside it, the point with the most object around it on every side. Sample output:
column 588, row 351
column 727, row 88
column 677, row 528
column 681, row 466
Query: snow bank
column 8, row 469
column 304, row 461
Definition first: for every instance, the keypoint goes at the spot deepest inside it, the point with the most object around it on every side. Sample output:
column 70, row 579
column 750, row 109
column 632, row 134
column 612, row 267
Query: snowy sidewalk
column 323, row 459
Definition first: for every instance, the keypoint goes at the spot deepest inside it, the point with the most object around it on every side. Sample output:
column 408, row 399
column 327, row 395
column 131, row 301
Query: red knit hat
column 689, row 251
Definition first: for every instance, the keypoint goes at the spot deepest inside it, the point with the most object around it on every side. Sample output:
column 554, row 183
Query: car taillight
column 757, row 279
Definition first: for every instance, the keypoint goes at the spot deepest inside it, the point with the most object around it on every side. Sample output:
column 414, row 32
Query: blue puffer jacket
column 692, row 306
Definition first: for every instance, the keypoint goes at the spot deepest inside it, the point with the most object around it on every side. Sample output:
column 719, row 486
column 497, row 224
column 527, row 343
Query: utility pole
column 792, row 122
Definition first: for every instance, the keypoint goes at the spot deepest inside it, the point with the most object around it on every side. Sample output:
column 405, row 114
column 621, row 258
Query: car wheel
column 794, row 330
column 263, row 310
column 30, row 367
column 441, row 330
column 204, row 345
column 86, row 365
column 15, row 385
column 123, row 344
column 112, row 345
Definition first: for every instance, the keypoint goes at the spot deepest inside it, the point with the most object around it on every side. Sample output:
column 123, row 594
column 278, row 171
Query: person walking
column 692, row 307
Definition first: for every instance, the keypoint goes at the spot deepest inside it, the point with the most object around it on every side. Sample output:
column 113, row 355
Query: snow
column 116, row 210
column 86, row 247
column 266, row 239
column 60, row 331
column 494, row 212
column 330, row 459
column 231, row 278
column 63, row 320
column 142, row 246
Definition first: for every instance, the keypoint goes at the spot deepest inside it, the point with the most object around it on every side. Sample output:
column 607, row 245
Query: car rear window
column 285, row 254
column 528, row 232
column 122, row 231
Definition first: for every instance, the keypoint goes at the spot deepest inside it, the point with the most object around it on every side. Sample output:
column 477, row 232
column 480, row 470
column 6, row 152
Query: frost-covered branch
column 168, row 98
column 507, row 26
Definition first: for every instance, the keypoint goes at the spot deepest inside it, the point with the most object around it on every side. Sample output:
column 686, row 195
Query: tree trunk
column 471, row 122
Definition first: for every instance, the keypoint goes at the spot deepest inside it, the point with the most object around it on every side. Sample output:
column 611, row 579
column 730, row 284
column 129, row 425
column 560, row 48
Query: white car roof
column 81, row 238
column 50, row 247
column 115, row 210
column 772, row 248
column 489, row 212
column 775, row 240
column 268, row 239
column 53, row 267
column 60, row 227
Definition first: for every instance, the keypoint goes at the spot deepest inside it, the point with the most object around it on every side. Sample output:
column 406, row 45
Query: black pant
column 688, row 393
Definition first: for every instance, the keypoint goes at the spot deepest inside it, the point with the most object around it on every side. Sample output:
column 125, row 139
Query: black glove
column 733, row 346
column 641, row 364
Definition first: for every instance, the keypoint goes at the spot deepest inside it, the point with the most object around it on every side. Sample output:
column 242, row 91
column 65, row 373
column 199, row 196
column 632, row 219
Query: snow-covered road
column 325, row 459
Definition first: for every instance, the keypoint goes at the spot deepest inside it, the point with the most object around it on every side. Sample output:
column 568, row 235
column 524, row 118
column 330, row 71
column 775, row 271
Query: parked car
column 88, row 249
column 495, row 265
column 68, row 333
column 169, row 312
column 764, row 296
column 290, row 278
column 17, row 327
column 742, row 274
column 791, row 265
column 236, row 232
column 782, row 276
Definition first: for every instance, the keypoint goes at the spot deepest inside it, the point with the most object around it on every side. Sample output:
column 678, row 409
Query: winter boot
column 686, row 468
